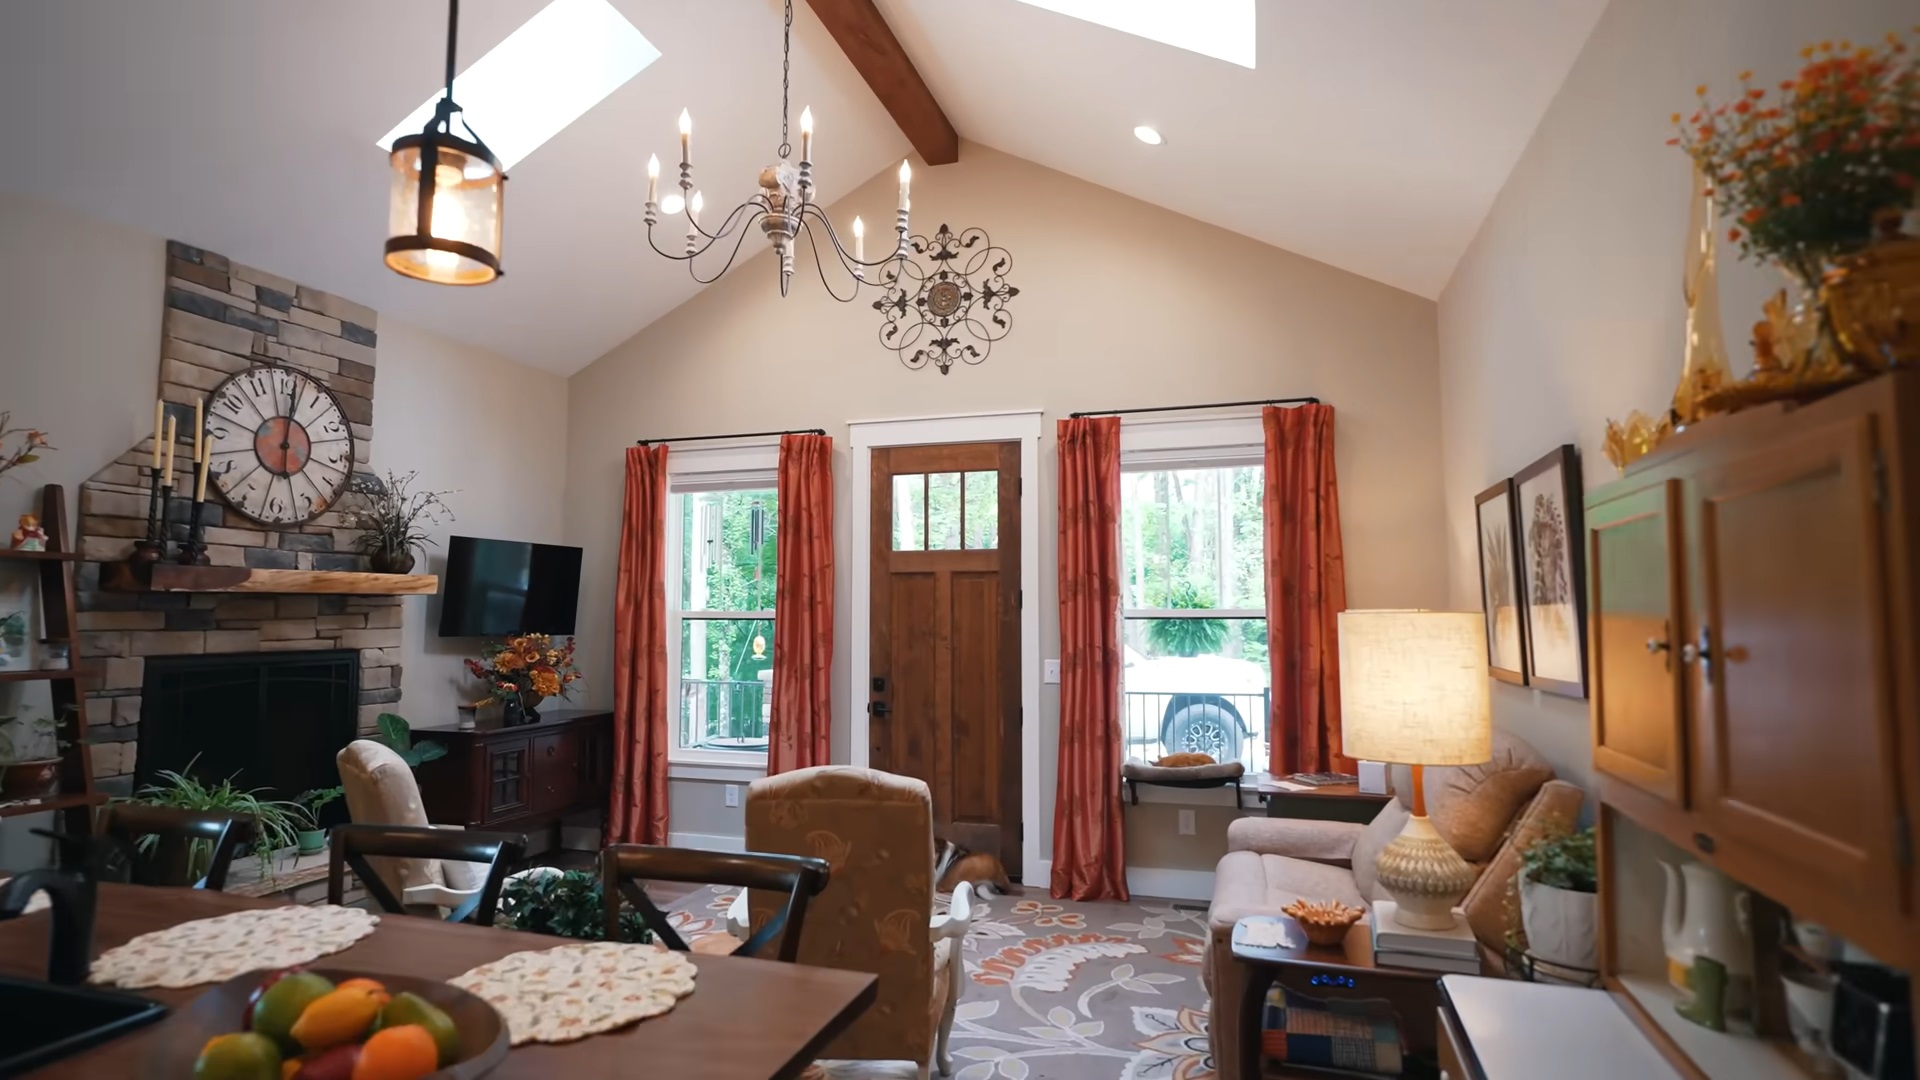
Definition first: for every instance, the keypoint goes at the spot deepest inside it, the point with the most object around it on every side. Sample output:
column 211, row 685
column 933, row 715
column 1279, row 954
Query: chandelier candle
column 653, row 179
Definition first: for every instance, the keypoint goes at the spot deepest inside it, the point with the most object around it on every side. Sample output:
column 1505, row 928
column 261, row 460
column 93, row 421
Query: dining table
column 746, row 1017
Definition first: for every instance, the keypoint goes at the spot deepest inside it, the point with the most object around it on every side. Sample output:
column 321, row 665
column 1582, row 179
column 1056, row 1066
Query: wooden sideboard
column 524, row 777
column 1755, row 659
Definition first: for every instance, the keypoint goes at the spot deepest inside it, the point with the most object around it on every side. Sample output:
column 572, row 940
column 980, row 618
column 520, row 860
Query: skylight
column 1222, row 29
column 544, row 76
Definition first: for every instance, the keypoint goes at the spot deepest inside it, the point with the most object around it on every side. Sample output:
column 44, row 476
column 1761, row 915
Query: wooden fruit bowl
column 483, row 1034
column 1325, row 922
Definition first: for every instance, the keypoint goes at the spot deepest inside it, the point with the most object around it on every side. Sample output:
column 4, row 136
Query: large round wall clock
column 282, row 450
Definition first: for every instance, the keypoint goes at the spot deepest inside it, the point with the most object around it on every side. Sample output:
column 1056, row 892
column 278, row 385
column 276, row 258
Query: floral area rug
column 1057, row 990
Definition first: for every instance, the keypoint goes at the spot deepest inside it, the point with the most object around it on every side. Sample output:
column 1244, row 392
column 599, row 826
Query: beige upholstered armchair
column 381, row 790
column 876, row 913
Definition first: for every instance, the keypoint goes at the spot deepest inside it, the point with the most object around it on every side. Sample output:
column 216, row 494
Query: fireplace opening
column 268, row 720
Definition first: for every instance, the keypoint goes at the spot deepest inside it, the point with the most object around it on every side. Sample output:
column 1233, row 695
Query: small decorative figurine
column 29, row 536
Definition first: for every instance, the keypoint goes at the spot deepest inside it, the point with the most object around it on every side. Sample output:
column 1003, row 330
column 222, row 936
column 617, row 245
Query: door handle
column 1703, row 653
column 878, row 708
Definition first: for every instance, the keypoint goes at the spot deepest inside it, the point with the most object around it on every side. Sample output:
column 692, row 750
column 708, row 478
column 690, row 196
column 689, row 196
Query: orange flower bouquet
column 525, row 669
column 1808, row 169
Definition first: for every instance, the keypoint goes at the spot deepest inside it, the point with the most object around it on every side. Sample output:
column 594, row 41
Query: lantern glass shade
column 460, row 244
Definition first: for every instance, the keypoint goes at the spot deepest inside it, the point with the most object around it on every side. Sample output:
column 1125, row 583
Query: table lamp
column 1413, row 691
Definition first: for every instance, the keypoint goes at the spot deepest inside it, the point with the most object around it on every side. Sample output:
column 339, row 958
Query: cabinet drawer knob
column 1656, row 646
column 1703, row 842
column 550, row 751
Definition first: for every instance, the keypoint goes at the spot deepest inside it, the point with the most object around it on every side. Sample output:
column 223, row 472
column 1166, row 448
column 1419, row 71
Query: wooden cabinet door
column 1796, row 742
column 556, row 770
column 1634, row 572
column 509, row 780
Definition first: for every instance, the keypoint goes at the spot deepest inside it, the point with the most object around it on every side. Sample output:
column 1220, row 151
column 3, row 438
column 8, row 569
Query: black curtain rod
column 1189, row 408
column 735, row 435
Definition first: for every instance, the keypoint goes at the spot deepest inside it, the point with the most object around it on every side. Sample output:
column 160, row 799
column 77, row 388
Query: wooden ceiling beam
column 863, row 34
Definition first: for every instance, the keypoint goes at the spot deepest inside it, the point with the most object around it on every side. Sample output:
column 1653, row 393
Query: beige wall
column 80, row 307
column 1566, row 310
column 1121, row 304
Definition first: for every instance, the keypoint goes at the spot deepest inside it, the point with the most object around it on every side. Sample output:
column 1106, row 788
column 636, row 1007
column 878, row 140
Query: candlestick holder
column 154, row 548
column 194, row 551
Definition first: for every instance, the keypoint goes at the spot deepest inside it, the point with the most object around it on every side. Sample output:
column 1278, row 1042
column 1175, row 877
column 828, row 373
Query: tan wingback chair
column 380, row 790
column 876, row 830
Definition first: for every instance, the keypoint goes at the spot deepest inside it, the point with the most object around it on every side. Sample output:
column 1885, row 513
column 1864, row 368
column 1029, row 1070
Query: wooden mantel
column 172, row 577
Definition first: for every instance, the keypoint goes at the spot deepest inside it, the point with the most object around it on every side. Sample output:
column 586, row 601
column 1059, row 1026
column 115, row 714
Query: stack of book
column 1452, row 950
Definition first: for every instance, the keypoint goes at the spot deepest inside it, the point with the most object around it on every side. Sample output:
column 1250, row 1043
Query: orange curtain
column 1089, row 844
column 638, row 811
column 800, row 726
column 1306, row 589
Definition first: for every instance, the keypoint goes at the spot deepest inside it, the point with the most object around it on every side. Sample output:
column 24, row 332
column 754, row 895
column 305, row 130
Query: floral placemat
column 570, row 992
column 217, row 949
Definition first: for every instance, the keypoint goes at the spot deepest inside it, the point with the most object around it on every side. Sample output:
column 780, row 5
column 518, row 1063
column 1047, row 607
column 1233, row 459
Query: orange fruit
column 340, row 1016
column 407, row 1052
column 363, row 983
column 290, row 1067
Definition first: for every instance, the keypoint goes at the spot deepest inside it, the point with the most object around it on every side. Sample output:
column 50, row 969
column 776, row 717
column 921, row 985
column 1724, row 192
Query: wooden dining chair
column 353, row 845
column 624, row 866
column 169, row 857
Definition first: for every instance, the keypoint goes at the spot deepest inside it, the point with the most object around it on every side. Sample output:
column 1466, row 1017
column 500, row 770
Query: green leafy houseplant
column 1562, row 861
column 276, row 823
column 1559, row 904
column 312, row 838
column 392, row 520
column 565, row 905
column 397, row 734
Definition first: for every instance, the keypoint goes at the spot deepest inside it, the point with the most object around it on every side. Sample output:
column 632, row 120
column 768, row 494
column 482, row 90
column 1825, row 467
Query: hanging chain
column 786, row 65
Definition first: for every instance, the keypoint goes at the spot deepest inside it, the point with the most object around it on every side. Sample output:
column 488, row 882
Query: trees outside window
column 727, row 571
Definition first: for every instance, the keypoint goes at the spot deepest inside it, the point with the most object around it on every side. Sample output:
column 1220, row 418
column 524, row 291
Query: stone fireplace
column 223, row 318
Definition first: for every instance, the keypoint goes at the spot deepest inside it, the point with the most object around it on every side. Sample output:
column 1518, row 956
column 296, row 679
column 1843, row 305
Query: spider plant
column 276, row 823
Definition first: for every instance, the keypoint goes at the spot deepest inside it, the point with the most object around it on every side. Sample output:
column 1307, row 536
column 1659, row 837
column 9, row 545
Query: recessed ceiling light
column 1147, row 135
column 544, row 76
column 1222, row 29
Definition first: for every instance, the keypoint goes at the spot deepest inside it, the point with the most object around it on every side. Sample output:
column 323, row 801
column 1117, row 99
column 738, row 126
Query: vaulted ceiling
column 1371, row 134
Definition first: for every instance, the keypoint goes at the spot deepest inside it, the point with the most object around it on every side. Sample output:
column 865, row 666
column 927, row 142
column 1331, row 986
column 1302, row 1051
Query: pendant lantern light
column 444, row 216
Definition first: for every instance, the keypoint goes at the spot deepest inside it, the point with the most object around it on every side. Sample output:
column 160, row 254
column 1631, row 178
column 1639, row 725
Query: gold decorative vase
column 1873, row 298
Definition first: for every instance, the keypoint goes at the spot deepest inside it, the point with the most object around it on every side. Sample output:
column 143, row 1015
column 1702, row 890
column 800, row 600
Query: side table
column 1331, row 802
column 1334, row 971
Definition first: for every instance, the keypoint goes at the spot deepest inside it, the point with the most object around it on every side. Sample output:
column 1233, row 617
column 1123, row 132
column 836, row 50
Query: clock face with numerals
column 282, row 450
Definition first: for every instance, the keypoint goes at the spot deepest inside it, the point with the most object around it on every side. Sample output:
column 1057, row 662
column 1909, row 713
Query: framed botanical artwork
column 1500, row 583
column 1553, row 573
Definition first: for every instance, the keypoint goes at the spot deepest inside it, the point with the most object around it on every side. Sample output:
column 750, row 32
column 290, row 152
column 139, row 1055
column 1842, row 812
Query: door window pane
column 727, row 549
column 943, row 511
column 726, row 675
column 981, row 494
column 910, row 512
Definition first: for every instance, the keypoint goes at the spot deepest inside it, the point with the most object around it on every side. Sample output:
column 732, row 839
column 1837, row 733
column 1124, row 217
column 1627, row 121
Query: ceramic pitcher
column 1705, row 935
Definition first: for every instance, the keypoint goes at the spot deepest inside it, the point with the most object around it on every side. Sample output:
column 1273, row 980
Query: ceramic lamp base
column 1424, row 874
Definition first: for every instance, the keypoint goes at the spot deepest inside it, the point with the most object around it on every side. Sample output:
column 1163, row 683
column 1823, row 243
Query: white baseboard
column 1142, row 881
column 708, row 841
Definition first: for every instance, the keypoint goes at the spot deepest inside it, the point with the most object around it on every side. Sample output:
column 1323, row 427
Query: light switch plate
column 733, row 794
column 1051, row 671
column 1186, row 823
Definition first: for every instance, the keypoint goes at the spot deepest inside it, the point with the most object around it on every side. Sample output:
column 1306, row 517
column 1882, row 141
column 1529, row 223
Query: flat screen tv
column 492, row 588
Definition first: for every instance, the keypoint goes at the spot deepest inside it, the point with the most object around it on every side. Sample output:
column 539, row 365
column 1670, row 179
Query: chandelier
column 784, row 208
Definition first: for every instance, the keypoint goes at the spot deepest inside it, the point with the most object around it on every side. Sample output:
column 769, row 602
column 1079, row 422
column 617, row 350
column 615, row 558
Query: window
column 951, row 511
column 1193, row 597
column 721, row 573
column 1222, row 29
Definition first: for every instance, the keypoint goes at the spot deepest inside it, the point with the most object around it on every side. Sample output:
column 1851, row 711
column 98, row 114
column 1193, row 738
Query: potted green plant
column 392, row 521
column 276, row 823
column 397, row 734
column 564, row 905
column 1559, row 899
column 312, row 839
column 30, row 749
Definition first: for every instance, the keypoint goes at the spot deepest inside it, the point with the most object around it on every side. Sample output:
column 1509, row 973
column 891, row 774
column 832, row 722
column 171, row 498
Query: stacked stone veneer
column 223, row 318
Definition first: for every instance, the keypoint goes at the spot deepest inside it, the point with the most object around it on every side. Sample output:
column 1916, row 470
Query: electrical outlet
column 1186, row 823
column 733, row 794
column 1051, row 671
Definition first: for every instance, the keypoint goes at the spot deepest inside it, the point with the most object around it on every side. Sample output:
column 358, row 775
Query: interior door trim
column 1024, row 427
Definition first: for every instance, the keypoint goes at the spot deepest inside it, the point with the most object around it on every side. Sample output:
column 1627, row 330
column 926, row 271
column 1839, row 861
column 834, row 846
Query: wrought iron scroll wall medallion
column 946, row 301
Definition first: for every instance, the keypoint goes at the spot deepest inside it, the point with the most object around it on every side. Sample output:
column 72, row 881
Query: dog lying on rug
column 956, row 864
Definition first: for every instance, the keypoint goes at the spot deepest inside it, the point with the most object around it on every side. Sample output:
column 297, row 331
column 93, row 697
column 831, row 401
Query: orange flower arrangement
column 527, row 662
column 1807, row 167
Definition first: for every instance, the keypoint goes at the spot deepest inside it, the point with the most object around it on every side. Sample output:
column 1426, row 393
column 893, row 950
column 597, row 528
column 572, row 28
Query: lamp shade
column 444, row 210
column 1413, row 687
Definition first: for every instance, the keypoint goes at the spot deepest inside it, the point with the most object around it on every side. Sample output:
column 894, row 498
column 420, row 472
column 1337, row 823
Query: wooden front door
column 944, row 669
